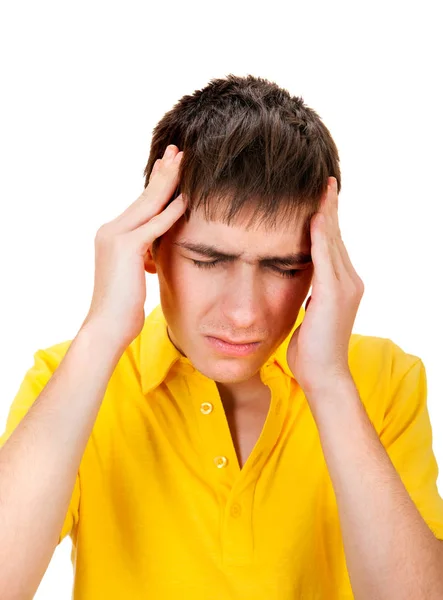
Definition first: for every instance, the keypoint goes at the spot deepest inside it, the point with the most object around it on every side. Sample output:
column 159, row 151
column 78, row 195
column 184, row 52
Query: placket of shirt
column 235, row 487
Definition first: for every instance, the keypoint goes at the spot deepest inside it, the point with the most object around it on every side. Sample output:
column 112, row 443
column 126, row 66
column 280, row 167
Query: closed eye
column 283, row 272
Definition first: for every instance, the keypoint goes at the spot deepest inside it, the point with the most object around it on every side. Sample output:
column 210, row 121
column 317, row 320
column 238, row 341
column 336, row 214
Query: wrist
column 331, row 389
column 100, row 340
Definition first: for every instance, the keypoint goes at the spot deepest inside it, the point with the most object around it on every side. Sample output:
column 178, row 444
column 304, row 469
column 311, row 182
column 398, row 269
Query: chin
column 228, row 371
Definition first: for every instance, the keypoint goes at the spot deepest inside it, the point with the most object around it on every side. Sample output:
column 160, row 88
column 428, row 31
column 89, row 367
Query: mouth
column 234, row 342
column 232, row 348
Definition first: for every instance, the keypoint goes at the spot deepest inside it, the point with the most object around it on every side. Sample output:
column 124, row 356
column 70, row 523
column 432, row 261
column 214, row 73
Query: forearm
column 40, row 461
column 390, row 551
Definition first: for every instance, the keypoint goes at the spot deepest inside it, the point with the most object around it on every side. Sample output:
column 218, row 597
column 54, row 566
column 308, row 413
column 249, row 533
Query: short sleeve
column 35, row 379
column 407, row 437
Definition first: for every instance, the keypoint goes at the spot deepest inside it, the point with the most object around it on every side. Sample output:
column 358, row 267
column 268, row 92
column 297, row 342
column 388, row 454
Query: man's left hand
column 318, row 351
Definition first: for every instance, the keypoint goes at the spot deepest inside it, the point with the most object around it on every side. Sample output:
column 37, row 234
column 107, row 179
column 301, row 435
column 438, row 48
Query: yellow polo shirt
column 161, row 508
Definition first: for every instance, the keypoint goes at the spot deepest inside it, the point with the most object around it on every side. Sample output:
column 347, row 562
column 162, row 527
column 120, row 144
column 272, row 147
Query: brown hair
column 248, row 143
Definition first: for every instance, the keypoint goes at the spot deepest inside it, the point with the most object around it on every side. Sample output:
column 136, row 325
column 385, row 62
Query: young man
column 233, row 444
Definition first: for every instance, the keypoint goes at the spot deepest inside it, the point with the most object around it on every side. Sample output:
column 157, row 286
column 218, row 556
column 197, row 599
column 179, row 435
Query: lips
column 234, row 342
column 232, row 349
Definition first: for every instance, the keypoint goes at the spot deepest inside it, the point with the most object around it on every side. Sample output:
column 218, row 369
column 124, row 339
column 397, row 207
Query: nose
column 242, row 300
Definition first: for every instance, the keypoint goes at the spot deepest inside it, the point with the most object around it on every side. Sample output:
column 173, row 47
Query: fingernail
column 168, row 152
column 178, row 157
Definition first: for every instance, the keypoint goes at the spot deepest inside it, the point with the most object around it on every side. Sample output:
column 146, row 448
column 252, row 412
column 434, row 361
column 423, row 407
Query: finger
column 154, row 197
column 154, row 168
column 145, row 234
column 346, row 260
column 329, row 210
column 332, row 207
column 340, row 253
column 324, row 271
column 164, row 182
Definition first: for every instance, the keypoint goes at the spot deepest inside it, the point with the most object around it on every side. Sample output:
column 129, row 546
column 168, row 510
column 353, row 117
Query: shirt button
column 206, row 408
column 235, row 510
column 220, row 461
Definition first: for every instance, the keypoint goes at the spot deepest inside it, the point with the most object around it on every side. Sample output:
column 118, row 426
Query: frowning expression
column 235, row 283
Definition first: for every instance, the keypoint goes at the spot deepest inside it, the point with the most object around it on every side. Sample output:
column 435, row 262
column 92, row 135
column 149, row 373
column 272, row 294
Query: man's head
column 255, row 165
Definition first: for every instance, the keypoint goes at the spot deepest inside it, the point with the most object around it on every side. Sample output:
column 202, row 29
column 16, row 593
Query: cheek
column 292, row 292
column 184, row 283
column 286, row 302
column 285, row 306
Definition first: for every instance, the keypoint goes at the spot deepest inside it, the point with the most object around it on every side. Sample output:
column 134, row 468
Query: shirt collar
column 158, row 354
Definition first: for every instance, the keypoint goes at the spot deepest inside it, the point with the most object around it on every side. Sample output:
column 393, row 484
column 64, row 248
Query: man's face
column 246, row 299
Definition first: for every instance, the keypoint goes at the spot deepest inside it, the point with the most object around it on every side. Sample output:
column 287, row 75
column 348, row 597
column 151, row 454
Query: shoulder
column 52, row 355
column 379, row 368
column 374, row 356
column 45, row 362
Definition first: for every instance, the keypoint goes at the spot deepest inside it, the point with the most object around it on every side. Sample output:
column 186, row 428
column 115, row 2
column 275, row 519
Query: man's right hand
column 120, row 247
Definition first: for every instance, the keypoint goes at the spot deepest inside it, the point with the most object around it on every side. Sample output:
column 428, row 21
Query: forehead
column 242, row 236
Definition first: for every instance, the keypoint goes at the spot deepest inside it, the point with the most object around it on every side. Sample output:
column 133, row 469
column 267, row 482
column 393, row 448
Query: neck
column 243, row 393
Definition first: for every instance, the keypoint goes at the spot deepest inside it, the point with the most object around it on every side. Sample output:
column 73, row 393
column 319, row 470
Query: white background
column 83, row 85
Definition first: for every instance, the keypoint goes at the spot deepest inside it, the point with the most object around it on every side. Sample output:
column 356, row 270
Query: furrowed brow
column 205, row 250
column 296, row 259
column 288, row 260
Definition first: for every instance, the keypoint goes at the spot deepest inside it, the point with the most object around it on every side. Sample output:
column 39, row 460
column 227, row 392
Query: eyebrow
column 288, row 260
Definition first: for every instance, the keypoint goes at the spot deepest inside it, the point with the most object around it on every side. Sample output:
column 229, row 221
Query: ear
column 150, row 266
